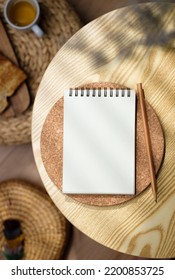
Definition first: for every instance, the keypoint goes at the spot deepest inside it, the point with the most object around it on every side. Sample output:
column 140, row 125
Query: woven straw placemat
column 59, row 22
column 45, row 229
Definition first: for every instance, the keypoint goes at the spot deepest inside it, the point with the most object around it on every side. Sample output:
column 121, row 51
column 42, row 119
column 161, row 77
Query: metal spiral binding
column 99, row 92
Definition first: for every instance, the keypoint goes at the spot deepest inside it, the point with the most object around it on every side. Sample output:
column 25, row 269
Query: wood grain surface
column 21, row 99
column 13, row 164
column 129, row 45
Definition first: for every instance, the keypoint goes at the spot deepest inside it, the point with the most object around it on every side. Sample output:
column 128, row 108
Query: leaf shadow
column 147, row 22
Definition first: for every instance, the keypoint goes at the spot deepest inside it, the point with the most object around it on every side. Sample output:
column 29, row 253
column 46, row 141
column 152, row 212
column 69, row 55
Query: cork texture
column 52, row 150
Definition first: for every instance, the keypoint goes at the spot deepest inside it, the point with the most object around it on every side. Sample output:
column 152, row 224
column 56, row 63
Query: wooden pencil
column 141, row 96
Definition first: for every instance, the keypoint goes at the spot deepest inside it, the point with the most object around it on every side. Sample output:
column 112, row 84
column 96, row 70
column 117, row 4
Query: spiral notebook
column 99, row 141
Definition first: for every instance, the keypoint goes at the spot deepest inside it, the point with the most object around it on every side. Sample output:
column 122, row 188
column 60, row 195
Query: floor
column 90, row 9
column 17, row 162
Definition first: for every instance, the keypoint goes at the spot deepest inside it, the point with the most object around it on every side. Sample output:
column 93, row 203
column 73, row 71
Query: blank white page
column 99, row 141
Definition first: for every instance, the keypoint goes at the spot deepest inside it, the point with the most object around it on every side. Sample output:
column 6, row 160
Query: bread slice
column 11, row 77
column 3, row 104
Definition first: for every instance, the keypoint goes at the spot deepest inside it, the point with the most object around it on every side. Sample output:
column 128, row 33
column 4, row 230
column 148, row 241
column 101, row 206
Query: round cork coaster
column 52, row 150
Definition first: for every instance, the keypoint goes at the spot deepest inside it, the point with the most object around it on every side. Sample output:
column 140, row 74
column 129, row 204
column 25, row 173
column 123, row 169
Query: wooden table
column 129, row 45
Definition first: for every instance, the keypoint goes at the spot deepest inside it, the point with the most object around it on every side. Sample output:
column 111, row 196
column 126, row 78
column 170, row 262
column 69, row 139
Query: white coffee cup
column 10, row 4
